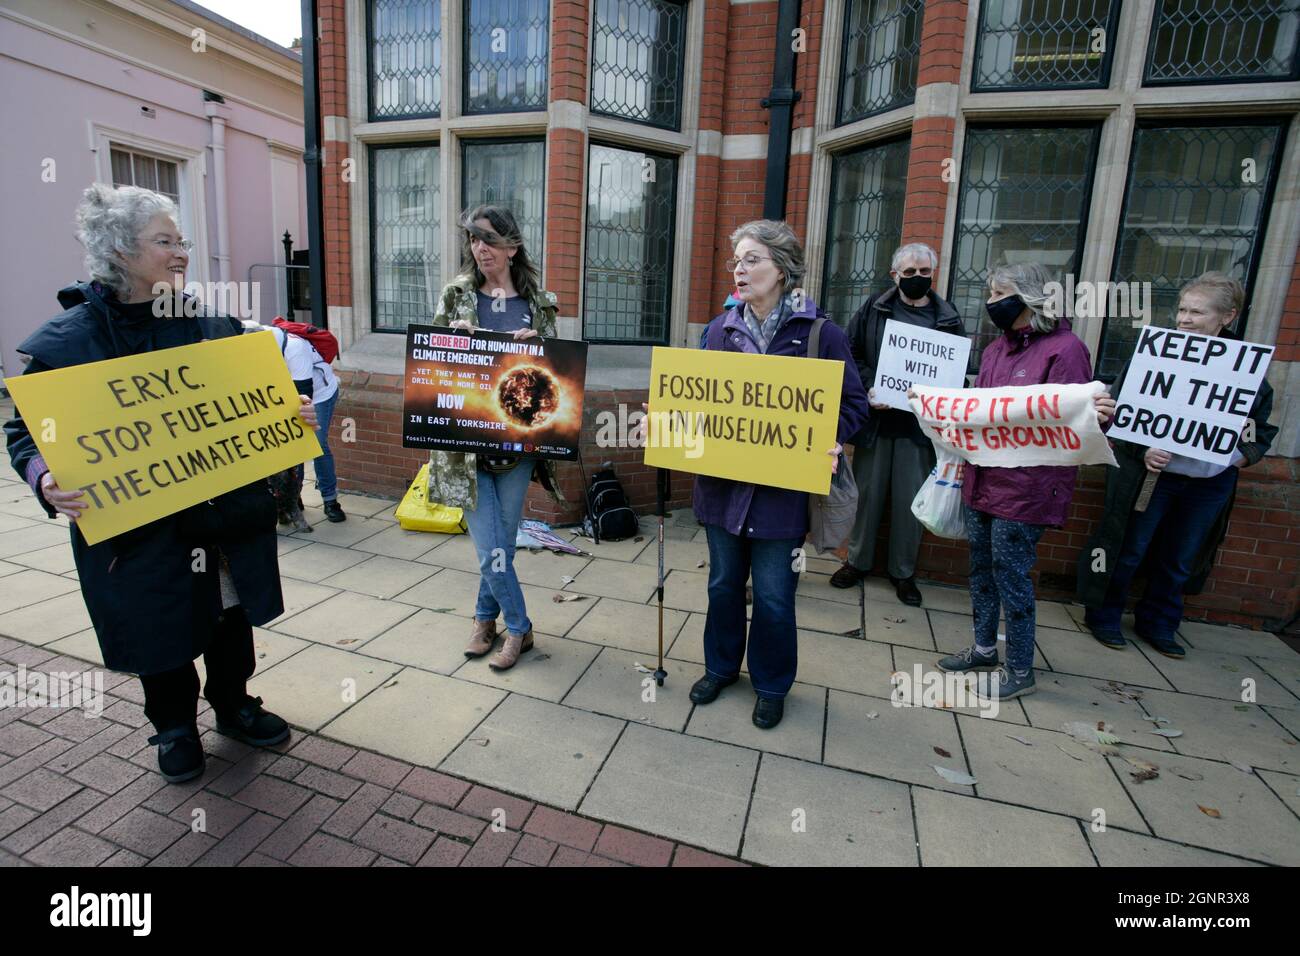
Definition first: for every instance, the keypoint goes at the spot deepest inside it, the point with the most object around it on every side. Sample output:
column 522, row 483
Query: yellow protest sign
column 148, row 435
column 764, row 419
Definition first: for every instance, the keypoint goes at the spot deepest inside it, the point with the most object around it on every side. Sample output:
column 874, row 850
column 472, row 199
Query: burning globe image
column 529, row 395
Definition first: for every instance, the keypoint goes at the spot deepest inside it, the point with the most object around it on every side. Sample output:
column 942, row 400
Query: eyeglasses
column 750, row 261
column 181, row 245
column 908, row 273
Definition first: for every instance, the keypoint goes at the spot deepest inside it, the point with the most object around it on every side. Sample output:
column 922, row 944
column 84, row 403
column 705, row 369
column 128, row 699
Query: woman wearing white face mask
column 1186, row 517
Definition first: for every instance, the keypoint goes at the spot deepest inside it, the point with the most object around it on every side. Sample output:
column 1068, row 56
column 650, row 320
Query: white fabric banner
column 1017, row 426
column 911, row 355
column 1189, row 394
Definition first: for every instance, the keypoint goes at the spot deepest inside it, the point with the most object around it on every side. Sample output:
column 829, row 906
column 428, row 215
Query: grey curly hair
column 1028, row 280
column 109, row 222
column 787, row 253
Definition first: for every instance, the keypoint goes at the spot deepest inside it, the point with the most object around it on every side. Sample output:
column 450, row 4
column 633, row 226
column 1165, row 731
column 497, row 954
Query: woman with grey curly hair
column 154, row 604
column 754, row 529
column 1009, row 509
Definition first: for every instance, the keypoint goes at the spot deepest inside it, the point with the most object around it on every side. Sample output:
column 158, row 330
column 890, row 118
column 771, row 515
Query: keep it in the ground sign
column 1189, row 394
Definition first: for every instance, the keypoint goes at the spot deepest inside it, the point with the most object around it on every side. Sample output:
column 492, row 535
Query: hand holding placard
column 1190, row 394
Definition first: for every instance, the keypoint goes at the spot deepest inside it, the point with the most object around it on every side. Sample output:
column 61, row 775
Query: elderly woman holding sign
column 186, row 584
column 1186, row 516
column 760, row 529
column 1008, row 509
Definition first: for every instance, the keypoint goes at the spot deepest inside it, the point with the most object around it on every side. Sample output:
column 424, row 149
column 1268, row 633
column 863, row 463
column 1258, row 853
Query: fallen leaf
column 1141, row 775
column 1166, row 732
column 638, row 539
column 1187, row 774
column 895, row 620
column 442, row 610
column 1244, row 708
column 1088, row 734
column 954, row 776
column 1141, row 764
column 1209, row 811
column 1020, row 740
column 392, row 683
column 943, row 753
column 348, row 640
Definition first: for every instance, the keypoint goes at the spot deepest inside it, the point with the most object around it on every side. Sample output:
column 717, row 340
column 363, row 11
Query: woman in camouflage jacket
column 498, row 290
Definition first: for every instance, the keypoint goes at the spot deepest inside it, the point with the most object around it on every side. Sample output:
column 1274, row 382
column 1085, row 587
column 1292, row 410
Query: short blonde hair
column 1224, row 292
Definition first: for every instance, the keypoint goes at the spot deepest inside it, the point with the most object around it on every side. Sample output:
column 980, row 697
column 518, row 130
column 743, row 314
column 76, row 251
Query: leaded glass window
column 405, row 58
column 1222, row 41
column 868, row 189
column 1196, row 201
column 1024, row 198
column 882, row 43
column 636, row 60
column 507, row 51
column 405, row 234
column 1036, row 44
column 511, row 174
column 132, row 168
column 631, row 201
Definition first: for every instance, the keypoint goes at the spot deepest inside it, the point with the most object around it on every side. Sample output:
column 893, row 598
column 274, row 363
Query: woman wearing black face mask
column 1008, row 509
column 890, row 450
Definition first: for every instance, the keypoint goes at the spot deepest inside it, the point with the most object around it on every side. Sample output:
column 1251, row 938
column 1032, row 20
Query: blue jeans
column 773, row 648
column 1002, row 553
column 326, row 480
column 493, row 526
column 1180, row 513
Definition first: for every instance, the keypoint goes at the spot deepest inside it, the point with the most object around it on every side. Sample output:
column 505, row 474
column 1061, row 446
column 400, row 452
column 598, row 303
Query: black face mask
column 1004, row 312
column 914, row 287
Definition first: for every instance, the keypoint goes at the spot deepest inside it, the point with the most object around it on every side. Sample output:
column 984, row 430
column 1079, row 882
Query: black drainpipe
column 781, row 102
column 312, row 157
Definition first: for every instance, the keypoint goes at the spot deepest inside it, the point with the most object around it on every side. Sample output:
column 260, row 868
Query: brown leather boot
column 481, row 641
column 514, row 645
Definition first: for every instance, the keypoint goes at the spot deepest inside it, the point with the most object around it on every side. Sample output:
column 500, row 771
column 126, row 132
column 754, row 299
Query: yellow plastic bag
column 417, row 513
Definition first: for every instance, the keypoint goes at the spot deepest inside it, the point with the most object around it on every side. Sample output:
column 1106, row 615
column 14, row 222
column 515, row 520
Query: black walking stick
column 662, row 489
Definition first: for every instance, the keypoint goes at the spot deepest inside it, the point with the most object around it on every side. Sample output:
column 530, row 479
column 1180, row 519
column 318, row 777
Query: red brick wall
column 333, row 60
column 1288, row 334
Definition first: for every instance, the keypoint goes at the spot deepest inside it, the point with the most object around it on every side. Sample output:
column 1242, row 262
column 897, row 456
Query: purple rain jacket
column 1038, row 495
column 761, row 511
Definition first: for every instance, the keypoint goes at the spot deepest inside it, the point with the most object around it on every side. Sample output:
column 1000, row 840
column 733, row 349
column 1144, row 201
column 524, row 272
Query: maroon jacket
column 1041, row 494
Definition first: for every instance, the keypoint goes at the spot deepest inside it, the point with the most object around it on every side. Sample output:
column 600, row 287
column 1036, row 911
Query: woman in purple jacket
column 759, row 529
column 1008, row 509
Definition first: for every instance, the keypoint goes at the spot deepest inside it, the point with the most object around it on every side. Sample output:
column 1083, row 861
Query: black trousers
column 171, row 699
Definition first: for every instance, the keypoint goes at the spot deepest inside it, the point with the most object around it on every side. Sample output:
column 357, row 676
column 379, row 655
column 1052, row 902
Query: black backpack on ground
column 608, row 515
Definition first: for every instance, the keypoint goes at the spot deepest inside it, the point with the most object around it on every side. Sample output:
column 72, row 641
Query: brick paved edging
column 76, row 791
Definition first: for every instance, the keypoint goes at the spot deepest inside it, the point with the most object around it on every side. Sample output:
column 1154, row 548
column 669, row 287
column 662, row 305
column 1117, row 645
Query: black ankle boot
column 180, row 755
column 251, row 724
